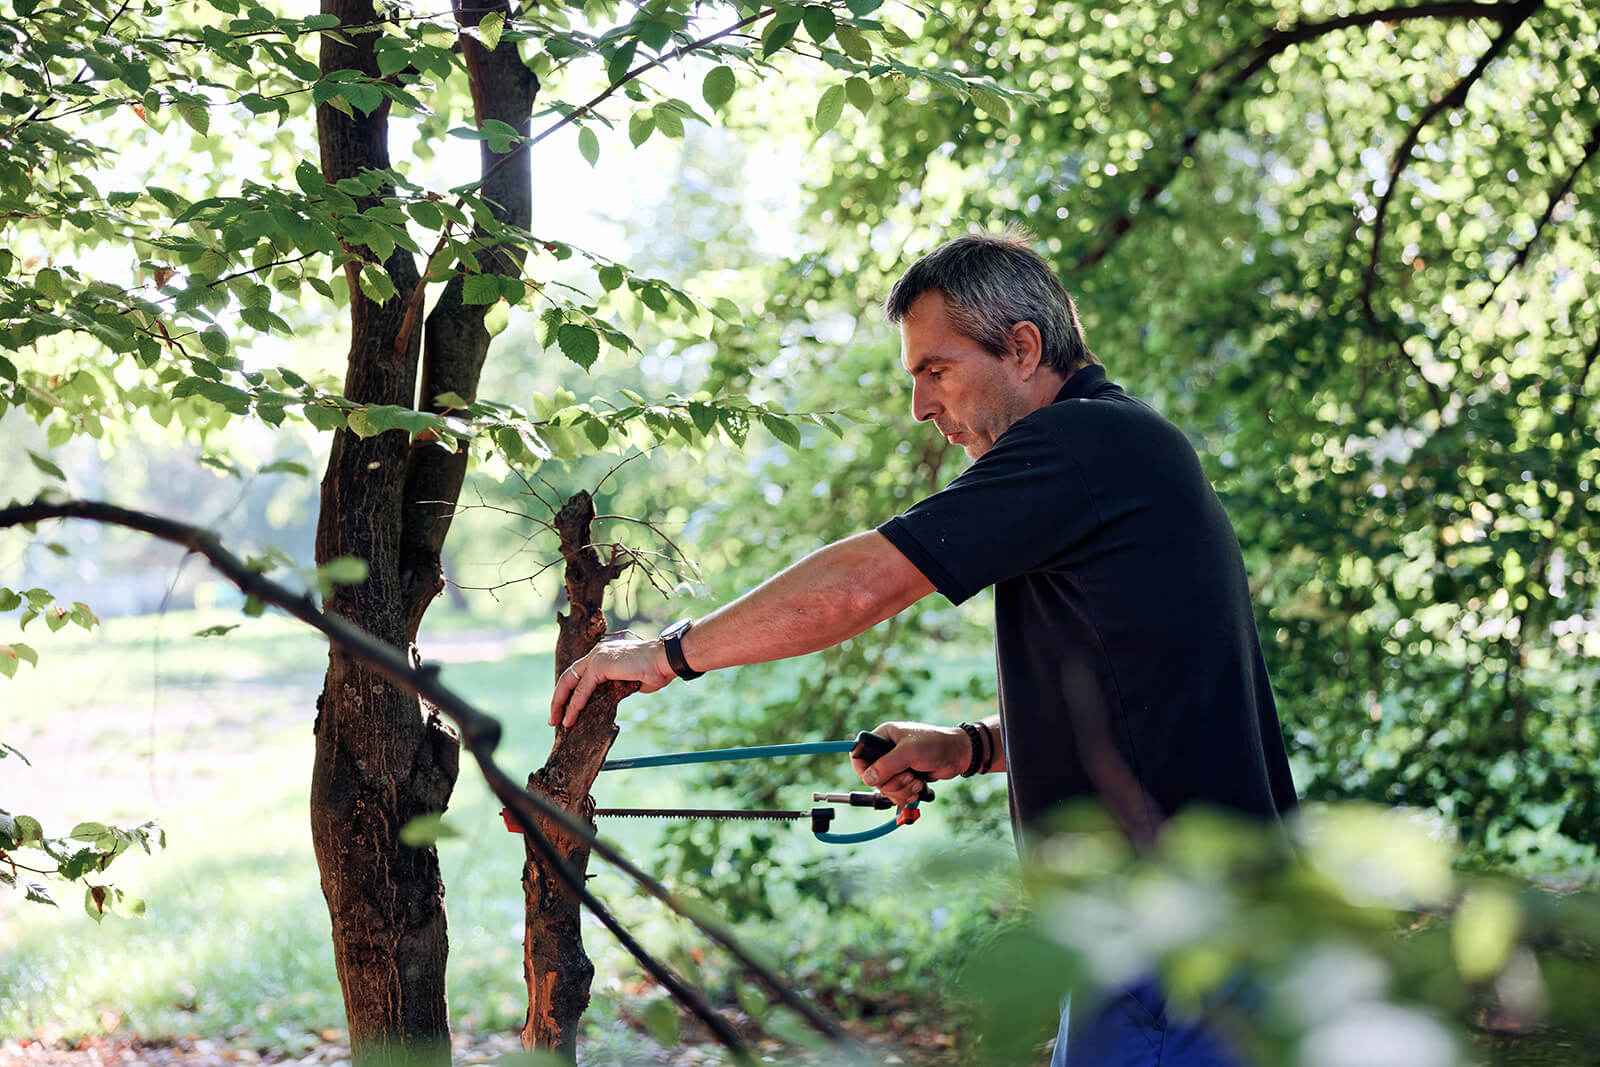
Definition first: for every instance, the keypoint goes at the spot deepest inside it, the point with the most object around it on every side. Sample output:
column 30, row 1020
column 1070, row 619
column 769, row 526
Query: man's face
column 971, row 395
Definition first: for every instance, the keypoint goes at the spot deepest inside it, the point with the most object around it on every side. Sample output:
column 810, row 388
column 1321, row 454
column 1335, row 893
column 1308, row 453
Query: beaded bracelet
column 977, row 750
column 988, row 737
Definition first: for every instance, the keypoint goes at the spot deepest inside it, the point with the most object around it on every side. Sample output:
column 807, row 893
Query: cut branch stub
column 557, row 969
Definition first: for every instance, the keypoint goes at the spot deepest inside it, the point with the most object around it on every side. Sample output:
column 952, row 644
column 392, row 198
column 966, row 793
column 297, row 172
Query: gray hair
column 991, row 283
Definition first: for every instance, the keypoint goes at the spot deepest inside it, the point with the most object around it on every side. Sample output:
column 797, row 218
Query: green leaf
column 617, row 63
column 589, row 145
column 286, row 466
column 346, row 570
column 497, row 318
column 324, row 416
column 46, row 466
column 829, row 108
column 992, row 103
column 490, row 28
column 611, row 277
column 655, row 34
column 39, row 894
column 480, row 289
column 853, row 42
column 668, row 121
column 781, row 428
column 216, row 631
column 703, row 415
column 8, row 661
column 375, row 283
column 777, row 34
column 423, row 830
column 579, row 344
column 89, row 831
column 859, row 92
column 596, row 431
column 718, row 86
column 95, row 900
column 819, row 22
column 860, row 8
column 640, row 126
column 736, row 424
column 127, row 905
column 427, row 214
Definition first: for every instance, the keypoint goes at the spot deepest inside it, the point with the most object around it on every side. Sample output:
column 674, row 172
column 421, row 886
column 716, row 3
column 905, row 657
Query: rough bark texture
column 380, row 760
column 557, row 970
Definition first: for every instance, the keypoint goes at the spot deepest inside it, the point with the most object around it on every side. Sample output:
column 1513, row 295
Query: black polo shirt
column 1128, row 659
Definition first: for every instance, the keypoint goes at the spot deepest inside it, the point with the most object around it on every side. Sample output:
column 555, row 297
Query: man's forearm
column 828, row 597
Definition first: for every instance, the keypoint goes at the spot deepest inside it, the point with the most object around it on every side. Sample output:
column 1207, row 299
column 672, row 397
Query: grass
column 212, row 736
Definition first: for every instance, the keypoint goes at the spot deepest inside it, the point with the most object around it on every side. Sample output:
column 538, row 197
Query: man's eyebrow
column 922, row 364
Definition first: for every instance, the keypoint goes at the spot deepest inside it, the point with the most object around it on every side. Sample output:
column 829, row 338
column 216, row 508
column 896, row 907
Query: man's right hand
column 934, row 753
column 618, row 660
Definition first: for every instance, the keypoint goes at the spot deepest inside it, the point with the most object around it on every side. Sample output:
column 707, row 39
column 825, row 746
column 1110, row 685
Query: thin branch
column 480, row 734
column 1558, row 194
column 643, row 68
column 1581, row 383
column 1455, row 98
column 618, row 466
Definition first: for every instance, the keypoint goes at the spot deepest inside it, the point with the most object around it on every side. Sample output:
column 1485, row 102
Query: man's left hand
column 618, row 660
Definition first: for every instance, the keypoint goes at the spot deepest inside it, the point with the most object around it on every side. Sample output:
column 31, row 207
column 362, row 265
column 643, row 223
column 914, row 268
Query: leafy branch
column 1274, row 42
column 480, row 733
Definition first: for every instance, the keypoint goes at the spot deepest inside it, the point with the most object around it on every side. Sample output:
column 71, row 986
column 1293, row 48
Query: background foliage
column 1349, row 249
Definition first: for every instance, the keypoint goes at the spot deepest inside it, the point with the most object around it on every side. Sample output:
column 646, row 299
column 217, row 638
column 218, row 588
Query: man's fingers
column 580, row 695
column 563, row 690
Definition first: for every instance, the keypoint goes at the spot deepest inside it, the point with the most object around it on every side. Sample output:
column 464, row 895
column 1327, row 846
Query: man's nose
column 923, row 405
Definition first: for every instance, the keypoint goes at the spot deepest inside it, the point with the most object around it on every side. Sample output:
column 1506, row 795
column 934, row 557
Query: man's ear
column 1027, row 347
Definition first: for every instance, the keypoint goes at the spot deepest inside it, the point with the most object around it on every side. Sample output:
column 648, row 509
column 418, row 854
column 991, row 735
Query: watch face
column 677, row 629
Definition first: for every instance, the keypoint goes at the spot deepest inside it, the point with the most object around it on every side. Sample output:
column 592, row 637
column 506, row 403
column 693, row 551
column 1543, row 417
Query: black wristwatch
column 672, row 641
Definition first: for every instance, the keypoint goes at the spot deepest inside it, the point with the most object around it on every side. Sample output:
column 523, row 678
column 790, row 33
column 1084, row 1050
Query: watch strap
column 672, row 641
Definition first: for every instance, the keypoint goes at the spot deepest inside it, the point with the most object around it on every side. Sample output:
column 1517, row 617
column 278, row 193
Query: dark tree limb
column 380, row 760
column 557, row 969
column 1455, row 98
column 455, row 340
column 1557, row 194
column 1273, row 43
column 480, row 733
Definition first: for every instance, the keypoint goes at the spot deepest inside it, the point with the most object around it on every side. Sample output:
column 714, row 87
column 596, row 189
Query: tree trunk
column 557, row 970
column 380, row 761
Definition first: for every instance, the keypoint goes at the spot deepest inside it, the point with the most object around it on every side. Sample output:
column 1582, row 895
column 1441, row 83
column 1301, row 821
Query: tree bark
column 380, row 760
column 557, row 970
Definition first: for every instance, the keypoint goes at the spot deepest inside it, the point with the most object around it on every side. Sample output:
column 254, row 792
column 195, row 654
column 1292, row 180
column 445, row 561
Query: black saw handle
column 871, row 747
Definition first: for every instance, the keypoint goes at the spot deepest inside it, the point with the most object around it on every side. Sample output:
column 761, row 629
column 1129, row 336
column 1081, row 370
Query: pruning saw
column 867, row 746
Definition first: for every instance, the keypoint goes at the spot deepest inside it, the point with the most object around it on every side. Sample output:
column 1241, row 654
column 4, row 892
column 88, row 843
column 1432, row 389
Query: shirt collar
column 1084, row 383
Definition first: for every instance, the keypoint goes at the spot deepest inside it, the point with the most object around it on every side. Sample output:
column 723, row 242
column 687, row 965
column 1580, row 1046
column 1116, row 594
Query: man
column 1128, row 661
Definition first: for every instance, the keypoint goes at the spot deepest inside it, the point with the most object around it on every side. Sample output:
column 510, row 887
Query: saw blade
column 702, row 813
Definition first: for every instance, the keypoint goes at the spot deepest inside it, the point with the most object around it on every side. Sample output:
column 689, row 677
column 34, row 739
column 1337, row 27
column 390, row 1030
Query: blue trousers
column 1131, row 1028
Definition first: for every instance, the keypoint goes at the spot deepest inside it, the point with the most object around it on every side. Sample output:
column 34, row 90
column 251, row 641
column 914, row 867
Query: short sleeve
column 1018, row 508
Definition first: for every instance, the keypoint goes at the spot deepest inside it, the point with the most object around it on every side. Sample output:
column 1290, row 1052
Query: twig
column 1558, row 194
column 480, row 733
